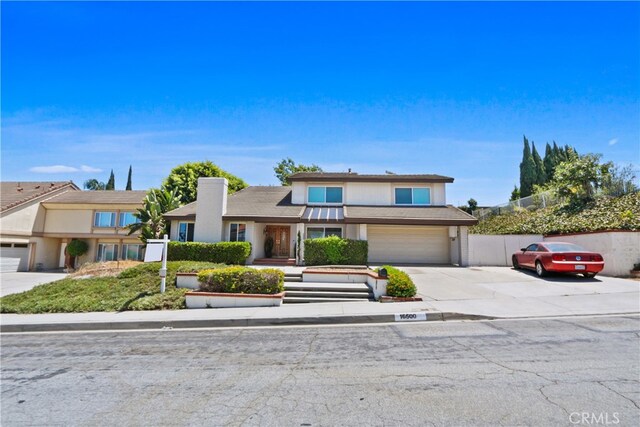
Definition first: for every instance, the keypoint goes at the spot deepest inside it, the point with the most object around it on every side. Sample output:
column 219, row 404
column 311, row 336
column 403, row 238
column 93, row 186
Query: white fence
column 536, row 201
column 620, row 249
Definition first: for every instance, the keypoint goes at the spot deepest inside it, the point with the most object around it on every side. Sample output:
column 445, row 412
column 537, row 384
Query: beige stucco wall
column 47, row 252
column 369, row 193
column 24, row 220
column 69, row 221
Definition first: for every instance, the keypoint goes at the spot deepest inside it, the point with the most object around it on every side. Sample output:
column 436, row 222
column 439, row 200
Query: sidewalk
column 449, row 293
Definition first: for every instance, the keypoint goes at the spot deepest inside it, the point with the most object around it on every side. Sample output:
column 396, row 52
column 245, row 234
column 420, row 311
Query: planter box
column 187, row 280
column 221, row 300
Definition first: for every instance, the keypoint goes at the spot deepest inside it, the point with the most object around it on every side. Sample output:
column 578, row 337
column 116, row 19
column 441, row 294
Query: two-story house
column 404, row 218
column 39, row 219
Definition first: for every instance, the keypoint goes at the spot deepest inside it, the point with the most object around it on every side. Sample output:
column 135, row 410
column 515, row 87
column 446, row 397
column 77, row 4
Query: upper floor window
column 185, row 231
column 413, row 196
column 237, row 233
column 104, row 219
column 324, row 195
column 127, row 218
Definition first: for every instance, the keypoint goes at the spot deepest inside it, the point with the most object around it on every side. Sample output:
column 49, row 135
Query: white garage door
column 397, row 244
column 13, row 258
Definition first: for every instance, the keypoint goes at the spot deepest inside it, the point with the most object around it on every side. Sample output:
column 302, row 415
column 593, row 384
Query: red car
column 558, row 257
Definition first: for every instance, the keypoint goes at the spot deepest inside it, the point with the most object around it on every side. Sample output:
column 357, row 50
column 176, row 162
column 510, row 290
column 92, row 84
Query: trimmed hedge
column 224, row 252
column 399, row 284
column 335, row 251
column 243, row 280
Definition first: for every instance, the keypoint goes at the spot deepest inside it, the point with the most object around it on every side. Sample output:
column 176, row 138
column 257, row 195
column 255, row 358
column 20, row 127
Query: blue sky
column 447, row 88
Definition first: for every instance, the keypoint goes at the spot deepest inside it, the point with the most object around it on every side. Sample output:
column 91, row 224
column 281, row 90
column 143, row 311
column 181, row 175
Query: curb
column 226, row 323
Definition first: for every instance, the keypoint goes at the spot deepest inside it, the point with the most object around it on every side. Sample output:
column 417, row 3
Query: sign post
column 157, row 251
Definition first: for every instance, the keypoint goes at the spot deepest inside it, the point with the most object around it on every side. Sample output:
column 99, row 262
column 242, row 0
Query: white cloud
column 63, row 169
column 85, row 168
column 53, row 169
column 613, row 141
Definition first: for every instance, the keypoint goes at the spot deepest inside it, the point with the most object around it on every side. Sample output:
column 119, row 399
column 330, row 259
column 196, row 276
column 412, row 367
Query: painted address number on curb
column 411, row 317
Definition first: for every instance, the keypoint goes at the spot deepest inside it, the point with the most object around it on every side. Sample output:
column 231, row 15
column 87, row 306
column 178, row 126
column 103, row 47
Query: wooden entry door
column 280, row 236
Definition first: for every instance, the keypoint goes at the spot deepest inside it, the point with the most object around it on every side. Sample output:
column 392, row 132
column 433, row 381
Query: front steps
column 278, row 262
column 309, row 292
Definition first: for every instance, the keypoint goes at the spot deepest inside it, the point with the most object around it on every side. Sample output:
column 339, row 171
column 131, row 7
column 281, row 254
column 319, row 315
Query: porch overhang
column 324, row 214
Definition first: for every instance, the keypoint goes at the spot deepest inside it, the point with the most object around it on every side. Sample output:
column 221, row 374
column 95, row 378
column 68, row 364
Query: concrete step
column 297, row 300
column 318, row 286
column 326, row 294
column 292, row 279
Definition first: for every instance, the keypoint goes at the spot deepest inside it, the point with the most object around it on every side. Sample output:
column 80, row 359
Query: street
column 562, row 371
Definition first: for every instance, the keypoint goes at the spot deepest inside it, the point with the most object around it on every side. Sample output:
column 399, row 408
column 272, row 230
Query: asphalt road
column 571, row 371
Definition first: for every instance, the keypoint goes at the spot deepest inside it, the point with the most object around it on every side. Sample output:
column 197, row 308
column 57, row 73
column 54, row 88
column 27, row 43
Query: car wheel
column 540, row 271
column 589, row 275
column 514, row 261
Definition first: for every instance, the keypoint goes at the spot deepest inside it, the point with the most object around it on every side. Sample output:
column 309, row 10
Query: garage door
column 13, row 257
column 423, row 245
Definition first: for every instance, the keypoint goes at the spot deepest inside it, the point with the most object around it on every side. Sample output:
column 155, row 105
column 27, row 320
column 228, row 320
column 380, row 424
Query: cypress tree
column 111, row 184
column 527, row 171
column 559, row 155
column 537, row 160
column 129, row 180
column 549, row 163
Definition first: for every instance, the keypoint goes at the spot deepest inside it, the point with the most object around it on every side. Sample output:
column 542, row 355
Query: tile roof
column 13, row 193
column 188, row 210
column 436, row 215
column 274, row 204
column 352, row 176
column 263, row 202
column 100, row 197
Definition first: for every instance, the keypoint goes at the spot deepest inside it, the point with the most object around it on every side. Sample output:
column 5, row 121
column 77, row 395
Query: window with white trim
column 413, row 196
column 320, row 232
column 185, row 231
column 127, row 218
column 132, row 252
column 107, row 252
column 324, row 195
column 104, row 219
column 237, row 232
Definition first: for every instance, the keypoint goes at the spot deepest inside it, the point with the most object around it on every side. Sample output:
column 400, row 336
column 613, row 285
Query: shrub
column 335, row 251
column 77, row 247
column 399, row 284
column 223, row 252
column 243, row 280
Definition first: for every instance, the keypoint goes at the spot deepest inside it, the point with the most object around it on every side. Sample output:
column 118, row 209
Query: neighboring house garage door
column 395, row 244
column 13, row 257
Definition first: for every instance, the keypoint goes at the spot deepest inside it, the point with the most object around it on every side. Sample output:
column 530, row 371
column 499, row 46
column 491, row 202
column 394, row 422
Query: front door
column 280, row 236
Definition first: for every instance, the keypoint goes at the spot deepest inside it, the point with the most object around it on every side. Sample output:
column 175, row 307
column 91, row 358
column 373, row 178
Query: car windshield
column 564, row 247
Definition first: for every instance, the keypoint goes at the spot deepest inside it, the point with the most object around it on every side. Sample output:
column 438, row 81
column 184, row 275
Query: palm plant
column 156, row 203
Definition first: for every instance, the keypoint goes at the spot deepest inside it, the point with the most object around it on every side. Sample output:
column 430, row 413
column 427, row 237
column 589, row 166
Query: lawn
column 136, row 288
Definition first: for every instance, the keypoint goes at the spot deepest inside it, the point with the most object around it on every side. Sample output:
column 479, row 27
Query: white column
column 362, row 232
column 212, row 204
column 464, row 246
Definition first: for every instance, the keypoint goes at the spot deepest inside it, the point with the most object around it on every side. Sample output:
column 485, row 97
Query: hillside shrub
column 243, row 280
column 224, row 252
column 602, row 214
column 334, row 250
column 399, row 284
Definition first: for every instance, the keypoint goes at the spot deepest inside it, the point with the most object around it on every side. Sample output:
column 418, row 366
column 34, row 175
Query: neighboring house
column 38, row 220
column 404, row 218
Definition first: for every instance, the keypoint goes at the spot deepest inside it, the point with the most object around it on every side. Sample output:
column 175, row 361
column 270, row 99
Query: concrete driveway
column 505, row 292
column 13, row 283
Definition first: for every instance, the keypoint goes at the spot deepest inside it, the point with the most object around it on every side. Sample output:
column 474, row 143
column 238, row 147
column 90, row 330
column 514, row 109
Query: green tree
column 620, row 181
column 128, row 188
column 94, row 185
column 540, row 172
column 515, row 194
column 287, row 167
column 184, row 179
column 111, row 184
column 152, row 224
column 580, row 179
column 549, row 162
column 527, row 171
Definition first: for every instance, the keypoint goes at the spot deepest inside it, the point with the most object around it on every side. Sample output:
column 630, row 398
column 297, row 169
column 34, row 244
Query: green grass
column 137, row 288
column 621, row 213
